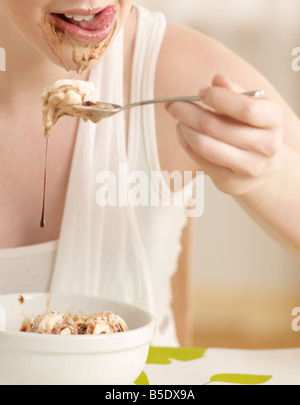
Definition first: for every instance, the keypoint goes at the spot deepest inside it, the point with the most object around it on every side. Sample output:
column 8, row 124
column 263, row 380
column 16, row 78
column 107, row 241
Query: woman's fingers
column 233, row 137
column 261, row 113
column 226, row 129
column 225, row 179
column 241, row 161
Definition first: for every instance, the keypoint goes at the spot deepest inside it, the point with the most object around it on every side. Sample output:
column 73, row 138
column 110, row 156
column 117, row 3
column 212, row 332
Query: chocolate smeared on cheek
column 54, row 37
column 83, row 53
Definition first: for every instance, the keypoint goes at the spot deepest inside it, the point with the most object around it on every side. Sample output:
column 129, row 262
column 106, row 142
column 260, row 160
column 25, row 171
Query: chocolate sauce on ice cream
column 60, row 99
column 57, row 323
column 43, row 217
column 53, row 323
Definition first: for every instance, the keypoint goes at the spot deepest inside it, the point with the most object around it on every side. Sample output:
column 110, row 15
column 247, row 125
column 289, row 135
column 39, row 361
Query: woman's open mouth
column 84, row 26
column 80, row 36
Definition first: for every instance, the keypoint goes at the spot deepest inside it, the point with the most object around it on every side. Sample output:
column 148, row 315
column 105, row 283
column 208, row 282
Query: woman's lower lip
column 94, row 31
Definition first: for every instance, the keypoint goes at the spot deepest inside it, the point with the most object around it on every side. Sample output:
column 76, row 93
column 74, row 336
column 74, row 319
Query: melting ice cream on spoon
column 62, row 98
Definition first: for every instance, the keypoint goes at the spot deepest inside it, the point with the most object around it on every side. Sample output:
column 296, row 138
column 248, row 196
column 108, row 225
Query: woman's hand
column 235, row 140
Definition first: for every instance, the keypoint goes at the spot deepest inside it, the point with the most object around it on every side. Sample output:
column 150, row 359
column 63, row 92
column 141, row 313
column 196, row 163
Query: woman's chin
column 79, row 60
column 75, row 53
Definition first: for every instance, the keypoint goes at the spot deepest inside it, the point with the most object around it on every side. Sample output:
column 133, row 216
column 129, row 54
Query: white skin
column 250, row 148
column 26, row 16
column 31, row 66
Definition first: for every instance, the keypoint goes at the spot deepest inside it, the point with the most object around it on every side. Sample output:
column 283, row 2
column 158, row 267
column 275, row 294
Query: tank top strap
column 150, row 30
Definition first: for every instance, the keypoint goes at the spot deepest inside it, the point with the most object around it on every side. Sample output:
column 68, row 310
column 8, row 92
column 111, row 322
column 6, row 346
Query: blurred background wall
column 244, row 286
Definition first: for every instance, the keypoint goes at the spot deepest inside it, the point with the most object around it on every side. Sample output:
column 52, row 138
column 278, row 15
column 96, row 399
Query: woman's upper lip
column 81, row 11
column 95, row 30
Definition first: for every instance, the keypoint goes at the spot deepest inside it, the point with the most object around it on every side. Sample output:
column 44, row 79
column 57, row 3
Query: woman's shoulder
column 189, row 59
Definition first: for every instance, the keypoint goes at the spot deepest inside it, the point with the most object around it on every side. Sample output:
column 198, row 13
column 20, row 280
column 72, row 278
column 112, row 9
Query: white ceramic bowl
column 27, row 358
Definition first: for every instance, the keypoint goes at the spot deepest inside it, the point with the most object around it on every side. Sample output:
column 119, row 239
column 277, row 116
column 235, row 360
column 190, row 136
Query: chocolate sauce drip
column 43, row 218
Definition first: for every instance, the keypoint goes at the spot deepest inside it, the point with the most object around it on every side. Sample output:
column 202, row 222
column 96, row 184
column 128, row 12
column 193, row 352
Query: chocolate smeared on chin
column 83, row 54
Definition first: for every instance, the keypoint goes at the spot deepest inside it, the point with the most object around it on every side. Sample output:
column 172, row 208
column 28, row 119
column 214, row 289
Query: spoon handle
column 163, row 100
column 255, row 93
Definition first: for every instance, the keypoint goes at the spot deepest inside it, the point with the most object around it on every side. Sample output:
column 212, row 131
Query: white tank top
column 27, row 269
column 126, row 253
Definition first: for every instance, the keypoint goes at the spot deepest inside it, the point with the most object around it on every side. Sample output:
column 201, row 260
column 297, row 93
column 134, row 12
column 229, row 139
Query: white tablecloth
column 195, row 366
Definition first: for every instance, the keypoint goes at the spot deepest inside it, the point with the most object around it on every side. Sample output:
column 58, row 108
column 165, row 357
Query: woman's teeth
column 80, row 17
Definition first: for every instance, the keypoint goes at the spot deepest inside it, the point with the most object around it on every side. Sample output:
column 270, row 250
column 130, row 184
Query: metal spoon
column 99, row 110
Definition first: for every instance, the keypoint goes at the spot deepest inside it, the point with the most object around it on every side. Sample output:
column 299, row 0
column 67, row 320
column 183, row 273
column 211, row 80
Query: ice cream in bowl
column 68, row 339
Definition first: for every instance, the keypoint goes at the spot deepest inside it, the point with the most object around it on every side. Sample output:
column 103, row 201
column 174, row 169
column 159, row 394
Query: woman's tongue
column 99, row 22
column 92, row 25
